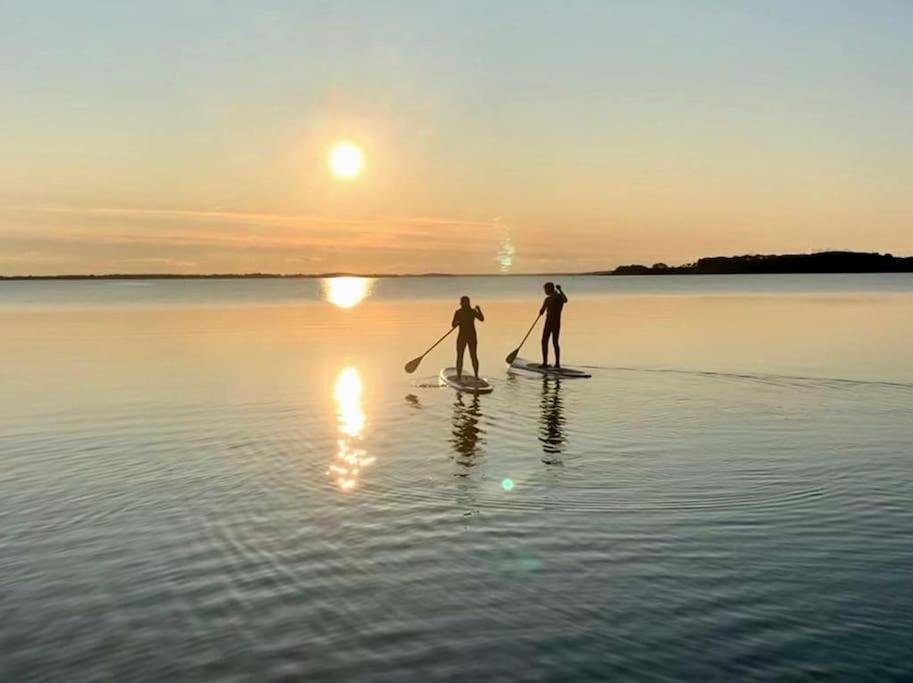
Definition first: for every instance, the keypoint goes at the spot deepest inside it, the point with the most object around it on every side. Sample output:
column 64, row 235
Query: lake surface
column 235, row 479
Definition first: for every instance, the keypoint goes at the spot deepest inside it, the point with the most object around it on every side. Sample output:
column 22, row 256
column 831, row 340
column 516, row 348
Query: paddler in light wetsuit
column 552, row 307
column 465, row 318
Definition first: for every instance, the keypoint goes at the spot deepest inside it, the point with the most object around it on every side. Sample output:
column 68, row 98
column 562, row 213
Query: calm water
column 222, row 480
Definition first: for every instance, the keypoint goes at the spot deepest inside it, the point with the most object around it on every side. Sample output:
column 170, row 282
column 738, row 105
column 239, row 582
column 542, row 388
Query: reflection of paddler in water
column 466, row 431
column 551, row 420
column 465, row 318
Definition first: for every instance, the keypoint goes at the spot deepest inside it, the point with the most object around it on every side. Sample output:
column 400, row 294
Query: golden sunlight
column 347, row 393
column 350, row 415
column 346, row 161
column 346, row 292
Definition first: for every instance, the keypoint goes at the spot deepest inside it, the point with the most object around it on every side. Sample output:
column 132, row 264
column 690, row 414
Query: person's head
column 549, row 287
column 464, row 302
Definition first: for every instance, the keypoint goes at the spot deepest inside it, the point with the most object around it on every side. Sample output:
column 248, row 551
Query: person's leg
column 474, row 356
column 461, row 349
column 545, row 332
column 556, row 332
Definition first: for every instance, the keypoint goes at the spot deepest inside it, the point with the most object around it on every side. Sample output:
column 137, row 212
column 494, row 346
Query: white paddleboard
column 565, row 371
column 465, row 383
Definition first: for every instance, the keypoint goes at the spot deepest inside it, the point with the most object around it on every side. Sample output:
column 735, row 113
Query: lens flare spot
column 528, row 563
column 507, row 484
column 506, row 255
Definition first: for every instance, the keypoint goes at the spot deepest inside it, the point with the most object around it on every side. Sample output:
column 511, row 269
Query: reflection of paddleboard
column 520, row 364
column 466, row 382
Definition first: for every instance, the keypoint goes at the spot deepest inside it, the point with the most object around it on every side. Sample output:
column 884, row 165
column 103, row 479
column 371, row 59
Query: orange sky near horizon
column 524, row 139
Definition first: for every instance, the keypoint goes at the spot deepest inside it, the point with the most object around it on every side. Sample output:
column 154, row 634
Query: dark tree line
column 822, row 262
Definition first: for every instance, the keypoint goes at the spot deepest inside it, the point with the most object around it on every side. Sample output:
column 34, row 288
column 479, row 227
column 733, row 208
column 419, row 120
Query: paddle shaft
column 529, row 331
column 431, row 348
column 525, row 337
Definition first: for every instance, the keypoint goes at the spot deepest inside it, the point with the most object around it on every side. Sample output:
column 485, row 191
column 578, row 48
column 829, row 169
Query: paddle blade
column 512, row 356
column 412, row 365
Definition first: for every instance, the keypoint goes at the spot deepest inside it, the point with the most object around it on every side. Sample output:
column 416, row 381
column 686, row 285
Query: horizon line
column 266, row 276
column 665, row 271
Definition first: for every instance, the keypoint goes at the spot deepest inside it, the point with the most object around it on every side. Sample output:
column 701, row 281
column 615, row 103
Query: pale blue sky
column 192, row 136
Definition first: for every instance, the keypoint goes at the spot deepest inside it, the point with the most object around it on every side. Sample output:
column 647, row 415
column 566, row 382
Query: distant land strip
column 773, row 264
column 757, row 264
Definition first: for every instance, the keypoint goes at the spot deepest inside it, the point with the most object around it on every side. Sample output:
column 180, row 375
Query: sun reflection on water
column 350, row 458
column 346, row 292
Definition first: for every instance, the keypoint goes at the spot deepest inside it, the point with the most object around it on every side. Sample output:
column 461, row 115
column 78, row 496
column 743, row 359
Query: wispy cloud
column 245, row 217
column 303, row 259
column 100, row 237
column 253, row 230
column 32, row 257
column 162, row 261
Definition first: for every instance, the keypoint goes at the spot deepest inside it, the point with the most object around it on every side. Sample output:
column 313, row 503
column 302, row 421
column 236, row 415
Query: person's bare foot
column 544, row 366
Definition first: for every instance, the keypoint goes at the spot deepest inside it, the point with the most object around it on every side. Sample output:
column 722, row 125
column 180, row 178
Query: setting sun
column 346, row 161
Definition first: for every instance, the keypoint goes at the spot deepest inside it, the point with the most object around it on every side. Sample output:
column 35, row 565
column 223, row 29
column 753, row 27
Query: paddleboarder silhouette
column 552, row 306
column 465, row 318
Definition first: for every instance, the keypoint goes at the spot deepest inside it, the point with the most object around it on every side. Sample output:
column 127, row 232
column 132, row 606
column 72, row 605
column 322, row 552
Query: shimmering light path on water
column 218, row 491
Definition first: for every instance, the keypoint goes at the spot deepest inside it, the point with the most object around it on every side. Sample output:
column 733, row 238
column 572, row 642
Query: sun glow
column 346, row 292
column 350, row 459
column 346, row 161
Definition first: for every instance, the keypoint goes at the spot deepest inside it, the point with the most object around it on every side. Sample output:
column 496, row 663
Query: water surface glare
column 221, row 480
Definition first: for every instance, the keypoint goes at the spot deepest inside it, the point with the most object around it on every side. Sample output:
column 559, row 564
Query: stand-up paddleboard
column 569, row 372
column 466, row 382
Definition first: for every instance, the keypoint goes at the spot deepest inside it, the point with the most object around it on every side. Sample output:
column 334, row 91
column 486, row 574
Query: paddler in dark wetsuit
column 465, row 318
column 554, row 302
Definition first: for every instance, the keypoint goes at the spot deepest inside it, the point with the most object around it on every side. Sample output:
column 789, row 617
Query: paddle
column 412, row 365
column 512, row 356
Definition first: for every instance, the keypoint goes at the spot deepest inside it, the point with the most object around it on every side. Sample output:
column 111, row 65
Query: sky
column 508, row 136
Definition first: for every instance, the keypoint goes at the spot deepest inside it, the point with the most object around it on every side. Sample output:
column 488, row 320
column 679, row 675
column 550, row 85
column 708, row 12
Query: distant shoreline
column 820, row 263
column 268, row 276
column 824, row 262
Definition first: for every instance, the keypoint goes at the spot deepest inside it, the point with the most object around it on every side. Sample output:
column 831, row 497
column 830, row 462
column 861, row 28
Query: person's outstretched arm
column 456, row 319
column 479, row 314
column 544, row 306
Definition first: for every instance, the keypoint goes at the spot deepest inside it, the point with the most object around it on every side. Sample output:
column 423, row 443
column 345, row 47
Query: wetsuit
column 465, row 319
column 552, row 307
